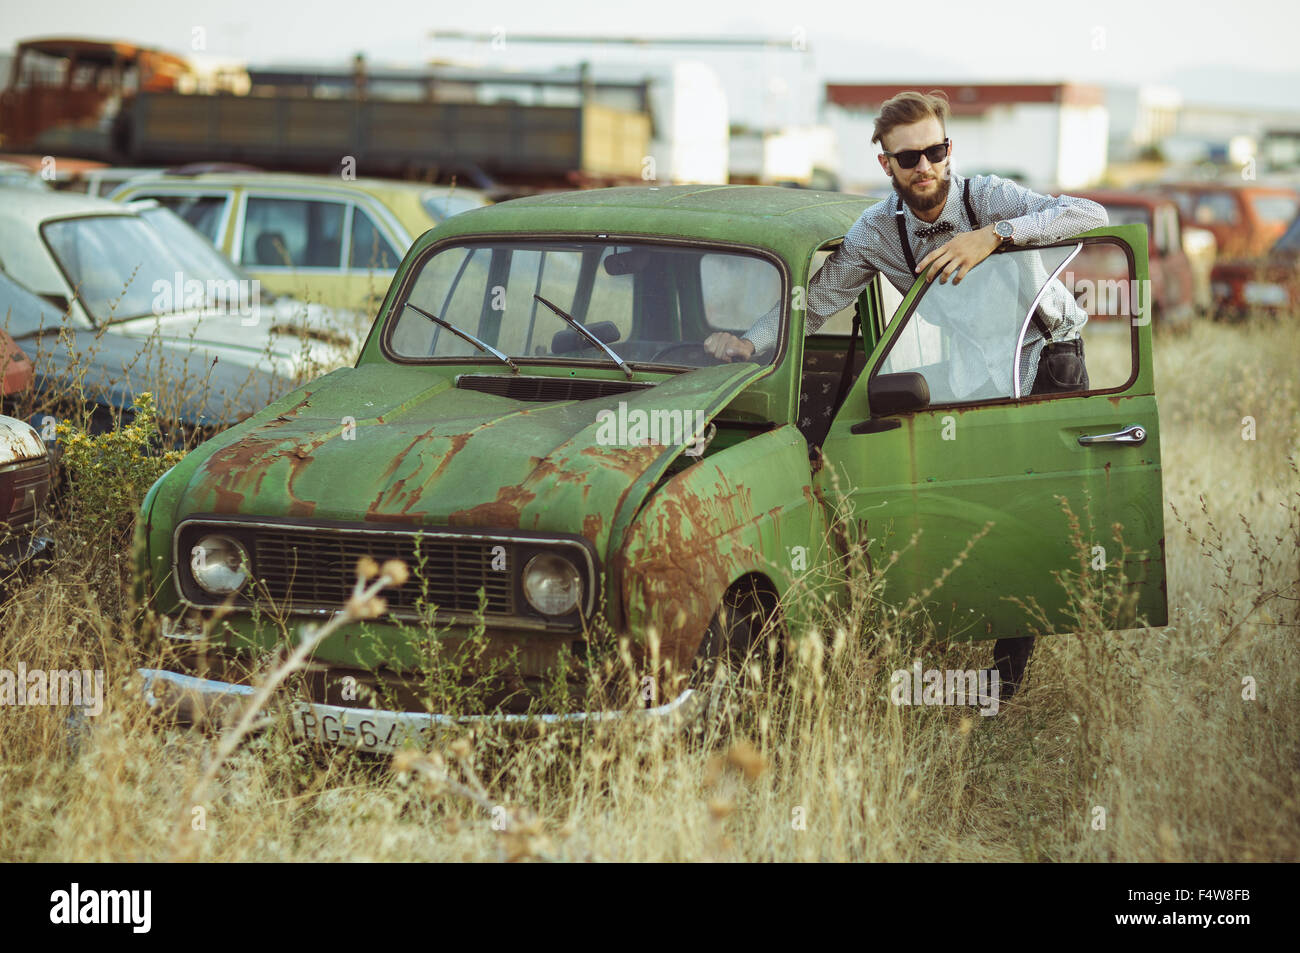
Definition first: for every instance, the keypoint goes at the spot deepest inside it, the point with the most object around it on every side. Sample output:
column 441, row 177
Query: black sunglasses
column 908, row 158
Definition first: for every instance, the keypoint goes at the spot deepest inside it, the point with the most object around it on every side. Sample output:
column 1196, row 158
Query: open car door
column 941, row 445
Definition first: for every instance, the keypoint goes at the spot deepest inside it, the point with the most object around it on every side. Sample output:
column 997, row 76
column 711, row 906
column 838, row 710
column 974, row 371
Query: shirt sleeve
column 838, row 282
column 1035, row 219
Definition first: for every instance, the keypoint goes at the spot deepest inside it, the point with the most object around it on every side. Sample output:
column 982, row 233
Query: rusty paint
column 502, row 512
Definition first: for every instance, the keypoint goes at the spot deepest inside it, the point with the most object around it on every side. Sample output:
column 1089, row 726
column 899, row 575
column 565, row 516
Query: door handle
column 1132, row 434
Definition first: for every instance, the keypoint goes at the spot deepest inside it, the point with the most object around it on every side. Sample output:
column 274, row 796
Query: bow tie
column 930, row 231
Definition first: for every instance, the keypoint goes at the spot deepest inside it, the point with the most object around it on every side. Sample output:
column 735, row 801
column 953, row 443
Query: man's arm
column 1035, row 220
column 836, row 285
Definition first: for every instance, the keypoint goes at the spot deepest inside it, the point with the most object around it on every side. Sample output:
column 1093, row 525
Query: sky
column 1239, row 52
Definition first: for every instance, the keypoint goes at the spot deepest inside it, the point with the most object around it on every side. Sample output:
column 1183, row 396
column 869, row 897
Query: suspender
column 970, row 217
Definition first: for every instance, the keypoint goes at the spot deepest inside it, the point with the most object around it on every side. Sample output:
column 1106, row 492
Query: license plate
column 371, row 731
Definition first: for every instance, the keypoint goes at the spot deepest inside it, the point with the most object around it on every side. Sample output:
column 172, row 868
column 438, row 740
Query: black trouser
column 1061, row 369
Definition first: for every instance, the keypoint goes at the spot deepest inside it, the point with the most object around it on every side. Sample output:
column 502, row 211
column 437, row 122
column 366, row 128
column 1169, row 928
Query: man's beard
column 923, row 203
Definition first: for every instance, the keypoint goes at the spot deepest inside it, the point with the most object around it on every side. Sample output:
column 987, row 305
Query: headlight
column 552, row 584
column 219, row 564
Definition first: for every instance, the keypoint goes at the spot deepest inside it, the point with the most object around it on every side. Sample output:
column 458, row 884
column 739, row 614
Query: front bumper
column 205, row 701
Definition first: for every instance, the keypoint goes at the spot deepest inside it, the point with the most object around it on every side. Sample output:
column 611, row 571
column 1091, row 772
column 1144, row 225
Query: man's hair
column 909, row 107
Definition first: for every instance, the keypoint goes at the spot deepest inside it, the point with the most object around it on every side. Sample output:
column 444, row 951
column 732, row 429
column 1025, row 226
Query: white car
column 140, row 271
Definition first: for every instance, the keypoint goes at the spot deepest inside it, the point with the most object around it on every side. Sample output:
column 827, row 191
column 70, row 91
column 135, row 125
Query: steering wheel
column 697, row 349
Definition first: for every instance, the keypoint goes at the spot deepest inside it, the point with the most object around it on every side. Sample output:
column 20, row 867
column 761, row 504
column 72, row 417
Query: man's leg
column 1010, row 656
column 1061, row 369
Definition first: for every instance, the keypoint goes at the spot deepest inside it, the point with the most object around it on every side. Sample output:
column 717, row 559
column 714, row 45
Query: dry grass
column 1150, row 726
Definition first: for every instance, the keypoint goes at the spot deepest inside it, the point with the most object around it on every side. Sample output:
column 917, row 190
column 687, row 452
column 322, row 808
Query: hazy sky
column 1240, row 51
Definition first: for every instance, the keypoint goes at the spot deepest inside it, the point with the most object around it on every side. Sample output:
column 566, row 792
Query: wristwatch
column 1003, row 230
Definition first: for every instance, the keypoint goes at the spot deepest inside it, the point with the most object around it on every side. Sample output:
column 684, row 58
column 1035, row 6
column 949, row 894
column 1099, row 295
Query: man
column 949, row 224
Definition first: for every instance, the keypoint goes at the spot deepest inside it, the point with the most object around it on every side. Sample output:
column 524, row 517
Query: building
column 1044, row 135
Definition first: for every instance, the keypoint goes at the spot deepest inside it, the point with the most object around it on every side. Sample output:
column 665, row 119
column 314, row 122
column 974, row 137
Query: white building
column 690, row 119
column 803, row 154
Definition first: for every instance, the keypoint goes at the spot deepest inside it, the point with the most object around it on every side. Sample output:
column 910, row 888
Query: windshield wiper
column 573, row 323
column 465, row 336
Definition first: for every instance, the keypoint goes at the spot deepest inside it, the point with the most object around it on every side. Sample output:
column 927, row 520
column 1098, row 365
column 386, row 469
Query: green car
column 535, row 427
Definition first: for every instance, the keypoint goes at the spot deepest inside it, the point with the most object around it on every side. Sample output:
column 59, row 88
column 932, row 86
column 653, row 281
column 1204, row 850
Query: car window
column 126, row 266
column 1290, row 241
column 1216, row 208
column 650, row 303
column 972, row 341
column 1275, row 209
column 369, row 248
column 292, row 233
column 203, row 212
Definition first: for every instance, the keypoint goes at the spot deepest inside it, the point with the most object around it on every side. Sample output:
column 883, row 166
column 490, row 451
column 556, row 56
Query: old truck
column 535, row 428
column 131, row 105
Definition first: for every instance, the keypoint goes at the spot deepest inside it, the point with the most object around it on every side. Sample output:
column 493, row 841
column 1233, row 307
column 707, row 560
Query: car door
column 1006, row 513
column 374, row 250
column 295, row 245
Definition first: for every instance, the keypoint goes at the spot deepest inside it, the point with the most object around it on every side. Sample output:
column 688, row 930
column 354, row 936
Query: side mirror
column 890, row 394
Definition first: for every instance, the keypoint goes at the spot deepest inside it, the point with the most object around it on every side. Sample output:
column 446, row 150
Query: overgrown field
column 1175, row 744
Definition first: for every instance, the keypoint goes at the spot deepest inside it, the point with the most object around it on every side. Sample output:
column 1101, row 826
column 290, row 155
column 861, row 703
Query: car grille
column 316, row 568
column 546, row 388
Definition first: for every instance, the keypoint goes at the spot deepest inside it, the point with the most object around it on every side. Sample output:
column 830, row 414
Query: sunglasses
column 908, row 158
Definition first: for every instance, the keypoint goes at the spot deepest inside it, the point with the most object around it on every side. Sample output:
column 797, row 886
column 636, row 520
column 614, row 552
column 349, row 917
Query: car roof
column 29, row 207
column 785, row 220
column 1228, row 187
column 291, row 180
column 22, row 210
column 1120, row 197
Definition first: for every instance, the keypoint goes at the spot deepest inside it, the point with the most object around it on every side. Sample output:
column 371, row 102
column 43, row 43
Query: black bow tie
column 930, row 231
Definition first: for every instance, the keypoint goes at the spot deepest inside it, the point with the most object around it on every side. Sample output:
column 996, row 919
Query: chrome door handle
column 1132, row 434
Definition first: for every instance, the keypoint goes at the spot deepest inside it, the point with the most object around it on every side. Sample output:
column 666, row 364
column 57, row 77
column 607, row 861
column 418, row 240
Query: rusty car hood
column 385, row 444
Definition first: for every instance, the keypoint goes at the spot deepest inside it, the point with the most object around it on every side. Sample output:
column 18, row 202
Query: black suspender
column 974, row 223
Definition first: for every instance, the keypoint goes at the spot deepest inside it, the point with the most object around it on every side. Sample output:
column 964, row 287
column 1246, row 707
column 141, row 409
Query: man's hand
column 958, row 256
column 728, row 347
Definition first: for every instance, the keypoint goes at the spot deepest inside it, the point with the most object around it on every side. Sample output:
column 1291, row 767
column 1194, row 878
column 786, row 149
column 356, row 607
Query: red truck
column 1246, row 219
column 1173, row 285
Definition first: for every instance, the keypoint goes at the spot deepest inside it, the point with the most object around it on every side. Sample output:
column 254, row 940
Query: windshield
column 650, row 303
column 117, row 264
column 1275, row 209
column 1291, row 240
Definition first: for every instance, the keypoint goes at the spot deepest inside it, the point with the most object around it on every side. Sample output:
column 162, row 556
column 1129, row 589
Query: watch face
column 1003, row 229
